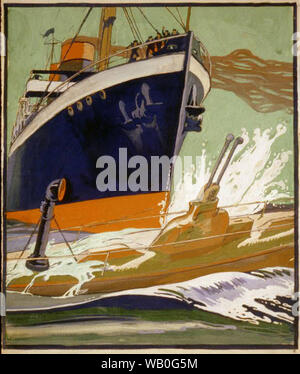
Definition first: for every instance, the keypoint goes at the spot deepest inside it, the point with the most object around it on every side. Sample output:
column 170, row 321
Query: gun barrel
column 237, row 141
column 228, row 140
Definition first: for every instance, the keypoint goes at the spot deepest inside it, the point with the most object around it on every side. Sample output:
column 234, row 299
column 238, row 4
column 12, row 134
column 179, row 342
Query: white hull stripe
column 106, row 79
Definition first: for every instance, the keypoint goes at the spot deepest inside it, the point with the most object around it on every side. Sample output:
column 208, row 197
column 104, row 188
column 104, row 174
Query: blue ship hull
column 69, row 146
column 145, row 116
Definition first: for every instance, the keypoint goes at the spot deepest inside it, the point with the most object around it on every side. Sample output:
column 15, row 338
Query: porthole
column 79, row 105
column 70, row 111
column 89, row 100
column 102, row 94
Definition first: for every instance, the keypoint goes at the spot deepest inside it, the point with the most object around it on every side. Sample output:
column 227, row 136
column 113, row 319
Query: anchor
column 193, row 119
column 55, row 192
column 203, row 220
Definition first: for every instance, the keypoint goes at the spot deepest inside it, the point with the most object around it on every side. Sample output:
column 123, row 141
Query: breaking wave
column 264, row 295
column 251, row 176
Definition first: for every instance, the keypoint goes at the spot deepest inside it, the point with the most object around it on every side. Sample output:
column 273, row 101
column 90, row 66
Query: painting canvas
column 149, row 176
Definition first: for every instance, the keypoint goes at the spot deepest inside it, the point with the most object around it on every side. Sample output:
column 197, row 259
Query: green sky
column 265, row 30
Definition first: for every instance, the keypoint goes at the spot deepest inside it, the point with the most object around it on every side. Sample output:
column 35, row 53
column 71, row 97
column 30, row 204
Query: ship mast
column 188, row 17
column 108, row 16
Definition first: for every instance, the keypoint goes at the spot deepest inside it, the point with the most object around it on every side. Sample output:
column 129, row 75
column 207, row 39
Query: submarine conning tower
column 201, row 228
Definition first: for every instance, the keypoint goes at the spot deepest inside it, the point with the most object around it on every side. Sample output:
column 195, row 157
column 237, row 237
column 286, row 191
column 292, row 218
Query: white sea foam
column 65, row 264
column 251, row 297
column 251, row 176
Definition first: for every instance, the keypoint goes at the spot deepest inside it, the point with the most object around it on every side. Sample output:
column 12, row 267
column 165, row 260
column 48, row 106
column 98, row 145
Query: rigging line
column 127, row 18
column 52, row 53
column 179, row 15
column 26, row 245
column 62, row 60
column 136, row 26
column 78, row 31
column 150, row 247
column 133, row 232
column 146, row 18
column 48, row 60
column 255, row 202
column 132, row 25
column 126, row 219
column 182, row 25
column 95, row 224
column 68, row 245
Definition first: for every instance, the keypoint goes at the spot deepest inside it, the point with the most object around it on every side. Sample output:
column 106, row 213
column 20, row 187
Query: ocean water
column 233, row 308
column 227, row 308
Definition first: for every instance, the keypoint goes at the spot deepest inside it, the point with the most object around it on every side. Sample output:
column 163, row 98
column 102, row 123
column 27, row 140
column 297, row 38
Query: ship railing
column 122, row 52
column 20, row 123
column 25, row 110
column 105, row 64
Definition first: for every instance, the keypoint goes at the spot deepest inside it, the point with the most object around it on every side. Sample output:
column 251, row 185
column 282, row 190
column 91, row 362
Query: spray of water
column 250, row 177
column 84, row 272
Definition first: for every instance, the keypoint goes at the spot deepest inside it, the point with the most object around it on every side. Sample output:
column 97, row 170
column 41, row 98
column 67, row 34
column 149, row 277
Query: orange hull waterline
column 110, row 214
